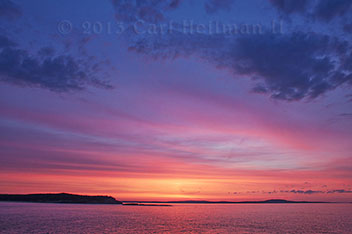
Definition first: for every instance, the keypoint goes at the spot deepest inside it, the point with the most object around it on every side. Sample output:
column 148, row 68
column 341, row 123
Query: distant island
column 59, row 198
column 141, row 204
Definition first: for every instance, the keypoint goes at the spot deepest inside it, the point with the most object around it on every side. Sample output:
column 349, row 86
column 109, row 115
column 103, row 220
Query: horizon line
column 194, row 201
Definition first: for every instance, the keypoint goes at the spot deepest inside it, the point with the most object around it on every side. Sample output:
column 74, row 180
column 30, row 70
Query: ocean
column 22, row 218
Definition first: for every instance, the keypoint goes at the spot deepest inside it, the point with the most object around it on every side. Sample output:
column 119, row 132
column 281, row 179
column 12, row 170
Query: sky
column 177, row 99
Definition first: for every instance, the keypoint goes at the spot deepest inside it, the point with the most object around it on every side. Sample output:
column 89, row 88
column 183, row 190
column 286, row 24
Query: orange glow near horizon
column 216, row 185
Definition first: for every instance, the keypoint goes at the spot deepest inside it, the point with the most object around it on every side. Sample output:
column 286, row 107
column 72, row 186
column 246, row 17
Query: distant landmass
column 230, row 202
column 59, row 198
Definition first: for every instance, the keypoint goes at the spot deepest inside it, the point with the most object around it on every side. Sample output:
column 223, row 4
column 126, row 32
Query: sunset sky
column 160, row 100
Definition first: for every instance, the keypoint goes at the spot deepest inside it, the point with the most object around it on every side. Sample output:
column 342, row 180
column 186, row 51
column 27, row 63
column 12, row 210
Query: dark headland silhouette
column 67, row 198
column 59, row 198
column 84, row 199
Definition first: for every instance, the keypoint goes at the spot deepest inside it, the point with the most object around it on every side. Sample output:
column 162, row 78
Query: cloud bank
column 55, row 72
column 59, row 73
column 290, row 66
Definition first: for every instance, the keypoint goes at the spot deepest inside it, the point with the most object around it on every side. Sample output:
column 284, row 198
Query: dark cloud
column 346, row 115
column 46, row 51
column 290, row 6
column 323, row 10
column 306, row 191
column 212, row 6
column 148, row 11
column 339, row 191
column 289, row 67
column 327, row 10
column 155, row 11
column 316, row 191
column 9, row 10
column 347, row 28
column 6, row 42
column 298, row 191
column 302, row 191
column 57, row 73
column 285, row 66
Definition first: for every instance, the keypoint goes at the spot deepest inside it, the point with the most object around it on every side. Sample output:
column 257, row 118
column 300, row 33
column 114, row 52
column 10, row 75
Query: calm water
column 240, row 218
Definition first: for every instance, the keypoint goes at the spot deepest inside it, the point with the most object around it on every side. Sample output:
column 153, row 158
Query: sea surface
column 22, row 218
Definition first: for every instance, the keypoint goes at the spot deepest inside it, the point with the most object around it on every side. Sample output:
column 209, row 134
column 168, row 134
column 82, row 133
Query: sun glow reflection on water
column 180, row 218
